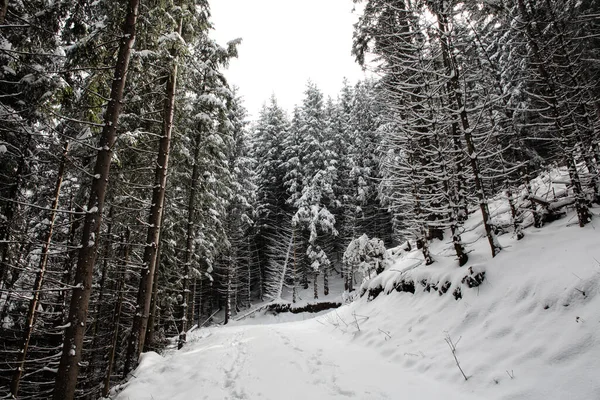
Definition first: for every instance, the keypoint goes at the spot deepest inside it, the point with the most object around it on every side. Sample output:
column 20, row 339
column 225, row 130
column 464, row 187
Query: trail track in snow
column 301, row 360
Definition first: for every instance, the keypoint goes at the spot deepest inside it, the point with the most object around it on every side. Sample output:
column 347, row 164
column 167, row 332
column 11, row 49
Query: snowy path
column 285, row 361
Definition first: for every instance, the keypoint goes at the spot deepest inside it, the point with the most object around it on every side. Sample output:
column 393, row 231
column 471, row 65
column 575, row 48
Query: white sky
column 285, row 43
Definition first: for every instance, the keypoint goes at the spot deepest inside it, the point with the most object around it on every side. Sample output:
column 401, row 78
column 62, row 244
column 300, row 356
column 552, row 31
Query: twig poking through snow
column 385, row 333
column 452, row 346
column 356, row 321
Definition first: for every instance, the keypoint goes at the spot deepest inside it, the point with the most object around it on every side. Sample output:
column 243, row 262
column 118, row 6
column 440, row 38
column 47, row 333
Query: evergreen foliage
column 137, row 201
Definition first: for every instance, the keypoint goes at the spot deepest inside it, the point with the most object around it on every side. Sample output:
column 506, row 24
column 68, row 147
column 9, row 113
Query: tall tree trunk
column 229, row 263
column 140, row 319
column 120, row 289
column 189, row 247
column 261, row 280
column 3, row 10
column 152, row 320
column 349, row 277
column 325, row 280
column 194, row 310
column 249, row 272
column 583, row 214
column 66, row 378
column 101, row 287
column 198, row 304
column 295, row 273
column 39, row 279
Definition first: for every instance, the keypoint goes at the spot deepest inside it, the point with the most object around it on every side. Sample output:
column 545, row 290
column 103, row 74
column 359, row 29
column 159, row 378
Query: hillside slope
column 530, row 330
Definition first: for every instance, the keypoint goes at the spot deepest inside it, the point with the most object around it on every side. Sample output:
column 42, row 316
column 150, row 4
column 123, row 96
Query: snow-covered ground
column 296, row 360
column 530, row 331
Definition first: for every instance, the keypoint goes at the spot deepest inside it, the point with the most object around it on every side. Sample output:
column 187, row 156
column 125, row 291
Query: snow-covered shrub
column 365, row 256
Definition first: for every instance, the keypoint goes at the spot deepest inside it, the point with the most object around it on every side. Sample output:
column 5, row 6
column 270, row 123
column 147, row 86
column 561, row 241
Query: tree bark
column 295, row 276
column 140, row 319
column 189, row 244
column 249, row 273
column 325, row 281
column 513, row 212
column 99, row 302
column 66, row 378
column 229, row 265
column 150, row 330
column 3, row 11
column 117, row 315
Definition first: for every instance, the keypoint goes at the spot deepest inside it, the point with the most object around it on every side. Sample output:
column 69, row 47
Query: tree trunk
column 295, row 276
column 454, row 199
column 66, row 378
column 3, row 10
column 189, row 247
column 423, row 243
column 39, row 280
column 325, row 281
column 583, row 213
column 198, row 304
column 249, row 273
column 194, row 311
column 229, row 264
column 101, row 287
column 151, row 329
column 349, row 277
column 117, row 315
column 513, row 212
column 140, row 320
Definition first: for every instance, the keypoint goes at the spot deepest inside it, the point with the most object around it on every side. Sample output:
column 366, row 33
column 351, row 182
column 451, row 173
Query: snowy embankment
column 530, row 330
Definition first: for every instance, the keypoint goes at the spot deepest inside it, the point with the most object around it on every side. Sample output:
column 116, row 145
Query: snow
column 275, row 362
column 7, row 69
column 530, row 331
column 145, row 53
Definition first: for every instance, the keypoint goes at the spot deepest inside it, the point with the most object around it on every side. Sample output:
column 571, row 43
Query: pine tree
column 73, row 342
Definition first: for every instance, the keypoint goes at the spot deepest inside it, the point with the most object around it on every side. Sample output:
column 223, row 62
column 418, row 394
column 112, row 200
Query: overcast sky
column 285, row 43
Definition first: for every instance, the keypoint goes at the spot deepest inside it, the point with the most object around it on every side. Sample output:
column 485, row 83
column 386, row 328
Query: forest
column 137, row 200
